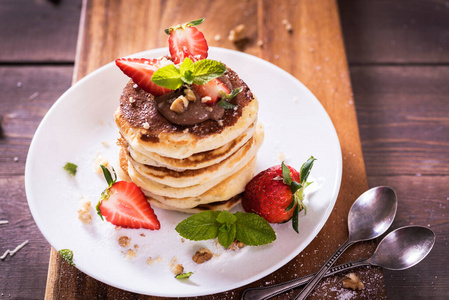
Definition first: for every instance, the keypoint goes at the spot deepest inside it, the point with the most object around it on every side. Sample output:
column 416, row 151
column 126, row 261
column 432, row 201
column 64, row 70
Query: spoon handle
column 320, row 274
column 266, row 292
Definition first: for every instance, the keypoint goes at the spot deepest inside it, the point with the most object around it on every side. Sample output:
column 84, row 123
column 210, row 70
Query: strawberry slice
column 186, row 41
column 124, row 204
column 141, row 70
column 212, row 89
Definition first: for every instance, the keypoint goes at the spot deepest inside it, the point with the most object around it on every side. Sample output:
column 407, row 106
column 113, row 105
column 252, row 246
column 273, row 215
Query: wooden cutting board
column 302, row 37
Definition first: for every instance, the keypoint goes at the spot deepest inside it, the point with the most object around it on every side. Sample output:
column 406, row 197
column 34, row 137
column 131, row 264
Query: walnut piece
column 190, row 95
column 351, row 281
column 84, row 213
column 178, row 269
column 180, row 104
column 236, row 245
column 202, row 256
column 124, row 241
column 238, row 33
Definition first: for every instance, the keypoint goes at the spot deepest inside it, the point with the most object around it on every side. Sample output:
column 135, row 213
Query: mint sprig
column 67, row 254
column 248, row 228
column 297, row 189
column 70, row 168
column 199, row 72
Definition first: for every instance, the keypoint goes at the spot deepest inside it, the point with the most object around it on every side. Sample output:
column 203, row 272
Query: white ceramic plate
column 79, row 128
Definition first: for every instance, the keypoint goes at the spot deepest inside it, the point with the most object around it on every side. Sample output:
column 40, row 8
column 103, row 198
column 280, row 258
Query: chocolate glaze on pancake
column 143, row 109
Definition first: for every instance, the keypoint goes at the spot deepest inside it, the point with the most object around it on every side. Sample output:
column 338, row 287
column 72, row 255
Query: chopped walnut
column 84, row 213
column 150, row 260
column 124, row 241
column 190, row 95
column 351, row 281
column 130, row 254
column 287, row 25
column 180, row 104
column 178, row 269
column 206, row 99
column 238, row 33
column 202, row 256
column 236, row 245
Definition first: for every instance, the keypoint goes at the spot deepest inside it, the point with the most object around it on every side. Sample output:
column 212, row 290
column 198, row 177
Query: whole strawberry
column 276, row 194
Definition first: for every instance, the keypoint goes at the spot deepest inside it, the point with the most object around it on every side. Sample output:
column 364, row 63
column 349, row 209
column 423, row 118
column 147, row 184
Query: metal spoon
column 369, row 217
column 399, row 250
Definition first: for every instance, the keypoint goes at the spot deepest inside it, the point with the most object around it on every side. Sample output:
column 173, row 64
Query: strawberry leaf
column 108, row 176
column 305, row 169
column 226, row 105
column 195, row 22
column 286, row 174
column 295, row 219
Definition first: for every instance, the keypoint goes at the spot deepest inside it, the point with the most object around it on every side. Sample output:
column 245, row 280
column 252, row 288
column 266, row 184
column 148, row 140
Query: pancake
column 189, row 178
column 226, row 189
column 222, row 205
column 197, row 160
column 181, row 141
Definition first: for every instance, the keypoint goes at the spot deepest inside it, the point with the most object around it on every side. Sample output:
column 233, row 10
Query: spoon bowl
column 403, row 248
column 372, row 213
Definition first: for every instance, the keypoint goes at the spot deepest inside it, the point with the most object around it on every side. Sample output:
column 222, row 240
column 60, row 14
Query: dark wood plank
column 27, row 94
column 23, row 106
column 38, row 30
column 403, row 114
column 423, row 201
column 400, row 31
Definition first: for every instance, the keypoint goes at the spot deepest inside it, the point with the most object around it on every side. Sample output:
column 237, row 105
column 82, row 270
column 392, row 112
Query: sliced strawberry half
column 186, row 41
column 141, row 70
column 124, row 204
column 212, row 89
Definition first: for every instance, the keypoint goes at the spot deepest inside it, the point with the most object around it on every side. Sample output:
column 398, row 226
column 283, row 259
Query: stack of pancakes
column 189, row 168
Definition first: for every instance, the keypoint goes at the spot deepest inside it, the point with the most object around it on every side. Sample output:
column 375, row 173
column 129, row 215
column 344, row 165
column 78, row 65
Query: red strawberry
column 276, row 194
column 141, row 70
column 212, row 89
column 124, row 204
column 186, row 41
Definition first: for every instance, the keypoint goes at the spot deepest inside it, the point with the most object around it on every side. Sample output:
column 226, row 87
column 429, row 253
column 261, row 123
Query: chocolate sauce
column 139, row 107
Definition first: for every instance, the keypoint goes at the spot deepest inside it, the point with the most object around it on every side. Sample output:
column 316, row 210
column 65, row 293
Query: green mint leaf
column 168, row 76
column 201, row 226
column 195, row 22
column 207, row 69
column 226, row 105
column 253, row 230
column 67, row 255
column 70, row 168
column 226, row 233
column 305, row 169
column 286, row 174
column 184, row 275
column 225, row 217
column 108, row 176
column 186, row 70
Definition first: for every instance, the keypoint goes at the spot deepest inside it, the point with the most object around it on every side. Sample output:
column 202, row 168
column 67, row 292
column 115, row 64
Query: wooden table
column 398, row 58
